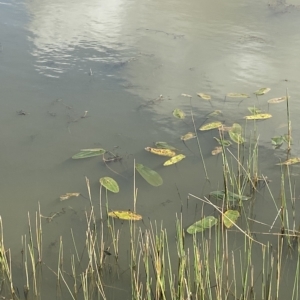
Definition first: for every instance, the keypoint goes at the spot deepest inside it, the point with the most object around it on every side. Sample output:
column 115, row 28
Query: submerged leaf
column 149, row 175
column 230, row 217
column 188, row 136
column 216, row 150
column 254, row 110
column 203, row 224
column 162, row 152
column 220, row 195
column 290, row 161
column 222, row 142
column 277, row 141
column 174, row 160
column 164, row 145
column 204, row 96
column 125, row 215
column 85, row 153
column 68, row 195
column 277, row 100
column 214, row 113
column 258, row 117
column 262, row 91
column 237, row 95
column 110, row 184
column 209, row 126
column 178, row 113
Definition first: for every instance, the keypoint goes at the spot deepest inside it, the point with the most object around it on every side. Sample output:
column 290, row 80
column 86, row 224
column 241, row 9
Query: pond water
column 109, row 74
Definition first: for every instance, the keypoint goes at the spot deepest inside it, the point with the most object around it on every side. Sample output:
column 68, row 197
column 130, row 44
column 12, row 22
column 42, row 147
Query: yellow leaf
column 68, row 195
column 178, row 113
column 204, row 96
column 163, row 152
column 210, row 126
column 262, row 91
column 258, row 117
column 290, row 161
column 188, row 136
column 230, row 217
column 216, row 151
column 277, row 100
column 125, row 215
column 237, row 95
column 174, row 160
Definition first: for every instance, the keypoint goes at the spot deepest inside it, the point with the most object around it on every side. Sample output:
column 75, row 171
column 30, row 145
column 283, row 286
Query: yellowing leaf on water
column 174, row 160
column 204, row 96
column 68, row 195
column 237, row 95
column 149, row 175
column 85, row 153
column 188, row 136
column 230, row 217
column 178, row 113
column 258, row 117
column 217, row 150
column 277, row 100
column 162, row 152
column 110, row 184
column 290, row 161
column 203, row 224
column 125, row 215
column 210, row 126
column 262, row 91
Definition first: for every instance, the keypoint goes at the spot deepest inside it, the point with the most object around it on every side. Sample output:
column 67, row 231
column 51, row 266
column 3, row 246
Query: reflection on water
column 127, row 63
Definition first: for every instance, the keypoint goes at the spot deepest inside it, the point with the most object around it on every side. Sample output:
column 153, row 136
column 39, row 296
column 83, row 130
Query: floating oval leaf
column 214, row 113
column 237, row 95
column 258, row 117
column 164, row 145
column 277, row 100
column 125, row 215
column 216, row 151
column 290, row 161
column 220, row 195
column 204, row 96
column 235, row 133
column 174, row 160
column 149, row 175
column 68, row 195
column 85, row 153
column 162, row 152
column 110, row 184
column 230, row 217
column 188, row 136
column 210, row 126
column 178, row 113
column 262, row 91
column 203, row 224
column 254, row 110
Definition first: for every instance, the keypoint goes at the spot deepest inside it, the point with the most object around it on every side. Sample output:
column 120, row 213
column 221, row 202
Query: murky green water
column 60, row 59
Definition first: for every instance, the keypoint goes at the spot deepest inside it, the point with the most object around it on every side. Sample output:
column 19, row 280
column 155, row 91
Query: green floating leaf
column 125, row 215
column 203, row 224
column 222, row 142
column 149, row 175
column 220, row 195
column 110, row 184
column 178, row 113
column 214, row 113
column 262, row 91
column 188, row 136
column 290, row 161
column 174, row 160
column 85, row 153
column 254, row 110
column 164, row 145
column 277, row 100
column 277, row 141
column 204, row 96
column 235, row 133
column 209, row 126
column 230, row 217
column 237, row 95
column 258, row 117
